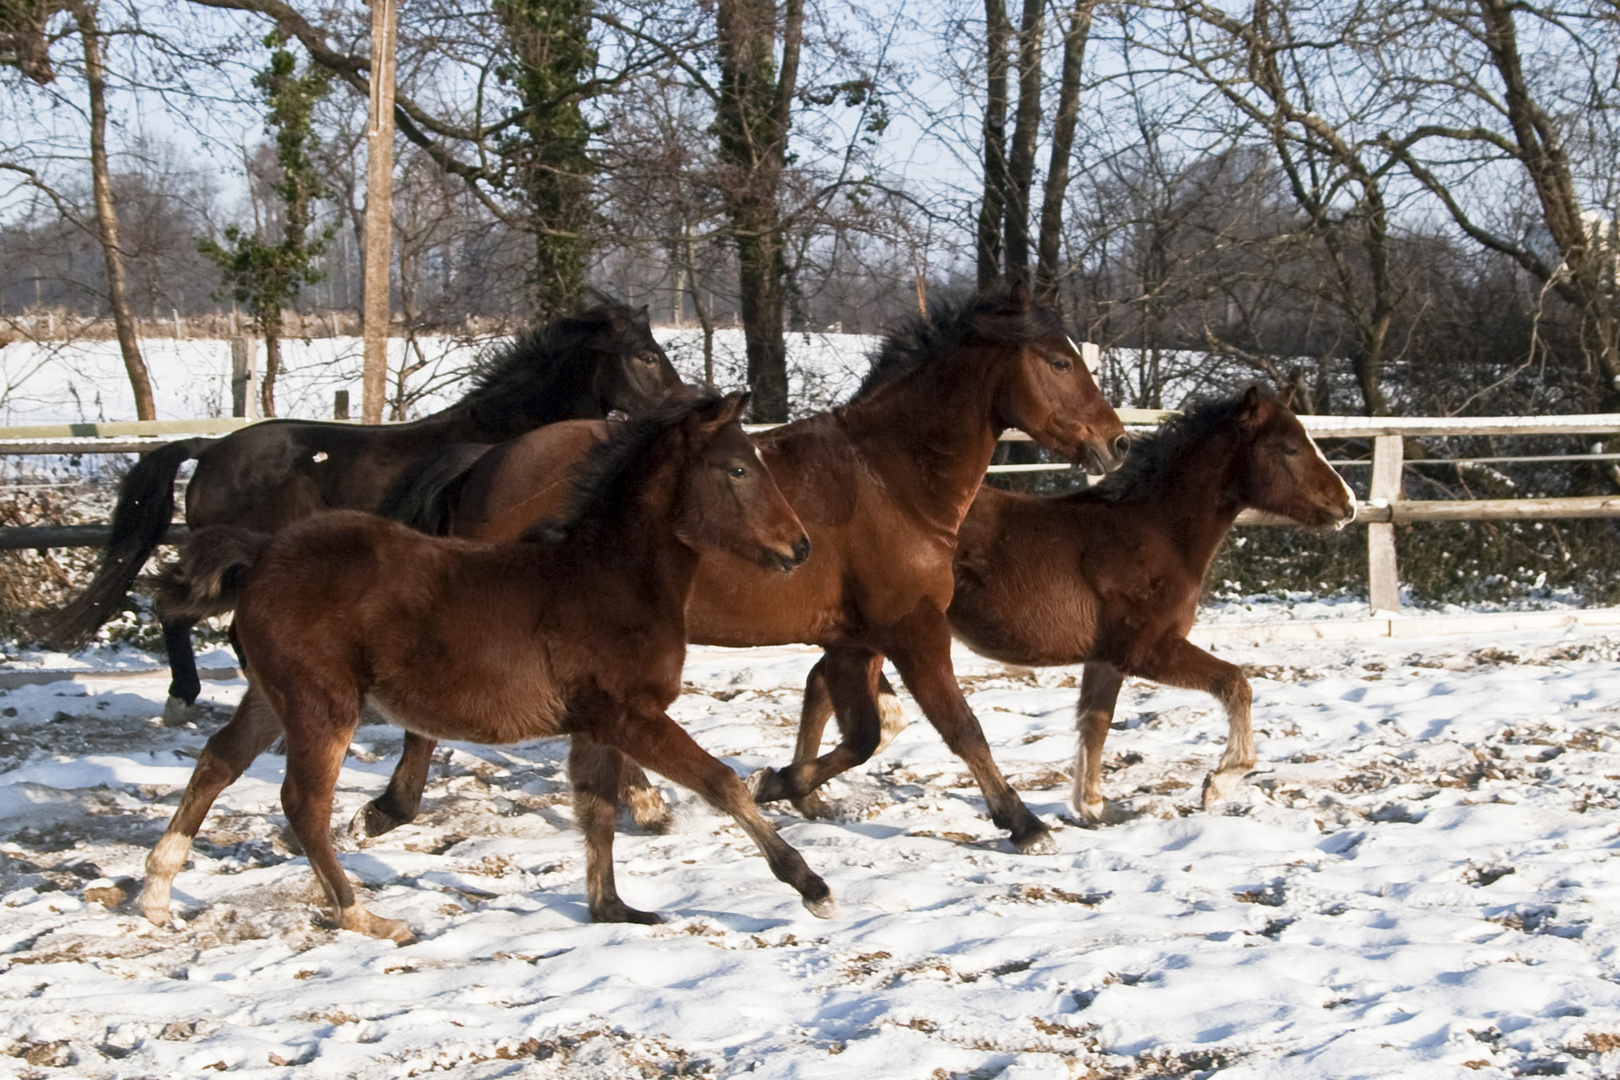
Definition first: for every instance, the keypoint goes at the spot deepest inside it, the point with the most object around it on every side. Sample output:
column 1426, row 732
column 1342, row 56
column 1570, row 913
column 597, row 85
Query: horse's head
column 1284, row 472
column 1048, row 392
column 634, row 373
column 730, row 500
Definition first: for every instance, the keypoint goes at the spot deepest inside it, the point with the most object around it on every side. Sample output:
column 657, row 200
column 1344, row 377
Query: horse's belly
column 491, row 718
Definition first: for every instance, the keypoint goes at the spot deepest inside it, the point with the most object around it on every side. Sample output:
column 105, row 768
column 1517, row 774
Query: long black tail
column 210, row 572
column 145, row 507
column 424, row 497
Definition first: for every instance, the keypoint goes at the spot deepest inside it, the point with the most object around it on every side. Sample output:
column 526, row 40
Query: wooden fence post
column 340, row 404
column 1383, row 579
column 244, row 378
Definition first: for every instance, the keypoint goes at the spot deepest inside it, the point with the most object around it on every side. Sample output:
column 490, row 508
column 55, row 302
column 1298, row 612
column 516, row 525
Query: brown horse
column 881, row 484
column 269, row 475
column 1111, row 576
column 572, row 629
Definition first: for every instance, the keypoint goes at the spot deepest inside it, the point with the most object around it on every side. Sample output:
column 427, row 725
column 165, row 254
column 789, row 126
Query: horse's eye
column 1290, row 450
column 650, row 359
column 1062, row 365
column 736, row 472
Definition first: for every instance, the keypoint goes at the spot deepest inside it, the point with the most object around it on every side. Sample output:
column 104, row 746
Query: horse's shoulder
column 817, row 468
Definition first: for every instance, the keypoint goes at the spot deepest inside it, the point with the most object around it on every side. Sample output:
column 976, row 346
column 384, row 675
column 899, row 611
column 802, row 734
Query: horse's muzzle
column 786, row 561
column 1098, row 458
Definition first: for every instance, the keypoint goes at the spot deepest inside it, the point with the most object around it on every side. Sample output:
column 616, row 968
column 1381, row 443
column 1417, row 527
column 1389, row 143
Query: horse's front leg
column 1099, row 691
column 655, row 741
column 1185, row 665
column 921, row 650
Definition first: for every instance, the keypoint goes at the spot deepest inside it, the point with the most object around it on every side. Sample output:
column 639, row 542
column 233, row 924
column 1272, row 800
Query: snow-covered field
column 1419, row 881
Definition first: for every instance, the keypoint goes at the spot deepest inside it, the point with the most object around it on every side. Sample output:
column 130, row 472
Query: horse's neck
column 1195, row 500
column 937, row 441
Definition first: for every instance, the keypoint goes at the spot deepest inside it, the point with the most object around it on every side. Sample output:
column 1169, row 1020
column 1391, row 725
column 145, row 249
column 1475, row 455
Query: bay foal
column 1111, row 576
column 576, row 629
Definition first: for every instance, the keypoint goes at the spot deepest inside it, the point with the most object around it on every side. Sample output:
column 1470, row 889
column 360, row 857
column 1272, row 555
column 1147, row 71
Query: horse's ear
column 718, row 413
column 1249, row 406
column 1022, row 298
column 1288, row 394
column 641, row 312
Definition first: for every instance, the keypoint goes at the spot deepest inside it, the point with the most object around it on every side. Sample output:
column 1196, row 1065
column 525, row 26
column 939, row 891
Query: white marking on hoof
column 155, row 904
column 1039, row 844
column 177, row 713
column 320, row 456
column 361, row 921
column 754, row 779
column 826, row 908
column 893, row 718
column 1089, row 811
column 1217, row 787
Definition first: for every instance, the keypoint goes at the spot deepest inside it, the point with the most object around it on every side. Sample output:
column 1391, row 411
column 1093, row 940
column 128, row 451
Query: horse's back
column 525, row 480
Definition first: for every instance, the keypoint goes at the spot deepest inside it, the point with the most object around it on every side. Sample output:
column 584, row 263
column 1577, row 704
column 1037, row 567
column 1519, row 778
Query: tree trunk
column 272, row 362
column 754, row 112
column 991, row 211
column 1026, row 131
column 95, row 78
column 379, row 225
column 1057, row 173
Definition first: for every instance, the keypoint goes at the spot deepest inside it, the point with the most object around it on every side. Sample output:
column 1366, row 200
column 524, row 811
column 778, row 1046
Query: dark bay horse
column 881, row 484
column 575, row 628
column 269, row 475
column 1111, row 576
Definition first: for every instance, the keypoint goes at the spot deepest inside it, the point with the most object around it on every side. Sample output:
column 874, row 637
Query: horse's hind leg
column 318, row 733
column 400, row 801
column 647, row 806
column 595, row 772
column 922, row 653
column 184, row 683
column 846, row 687
column 1186, row 665
column 657, row 742
column 232, row 749
column 1099, row 691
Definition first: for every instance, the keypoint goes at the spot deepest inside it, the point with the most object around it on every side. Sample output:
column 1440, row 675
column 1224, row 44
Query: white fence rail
column 1382, row 511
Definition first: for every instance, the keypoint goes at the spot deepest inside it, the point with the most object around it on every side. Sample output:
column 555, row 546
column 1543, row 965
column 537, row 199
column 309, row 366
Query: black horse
column 270, row 475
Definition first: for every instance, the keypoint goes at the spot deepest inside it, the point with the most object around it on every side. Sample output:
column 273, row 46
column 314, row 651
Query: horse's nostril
column 1120, row 445
column 801, row 550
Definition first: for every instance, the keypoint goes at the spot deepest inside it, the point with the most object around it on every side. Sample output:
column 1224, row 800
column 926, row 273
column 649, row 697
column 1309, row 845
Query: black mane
column 606, row 480
column 949, row 321
column 541, row 375
column 1153, row 455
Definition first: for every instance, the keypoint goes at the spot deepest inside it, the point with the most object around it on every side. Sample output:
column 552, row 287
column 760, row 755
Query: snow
column 1419, row 880
column 84, row 381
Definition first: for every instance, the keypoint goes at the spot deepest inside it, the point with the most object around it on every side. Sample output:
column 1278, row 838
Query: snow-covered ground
column 1419, row 881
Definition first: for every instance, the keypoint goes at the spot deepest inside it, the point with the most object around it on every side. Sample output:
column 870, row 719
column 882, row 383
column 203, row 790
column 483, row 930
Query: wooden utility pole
column 379, row 210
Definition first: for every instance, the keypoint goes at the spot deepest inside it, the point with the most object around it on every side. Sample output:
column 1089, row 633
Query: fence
column 1380, row 513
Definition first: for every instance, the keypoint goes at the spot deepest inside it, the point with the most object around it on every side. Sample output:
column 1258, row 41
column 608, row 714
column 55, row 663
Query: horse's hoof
column 649, row 810
column 824, row 908
column 370, row 821
column 1216, row 788
column 364, row 922
column 893, row 718
column 156, row 912
column 178, row 712
column 620, row 912
column 766, row 785
column 1090, row 812
column 1039, row 843
column 812, row 807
